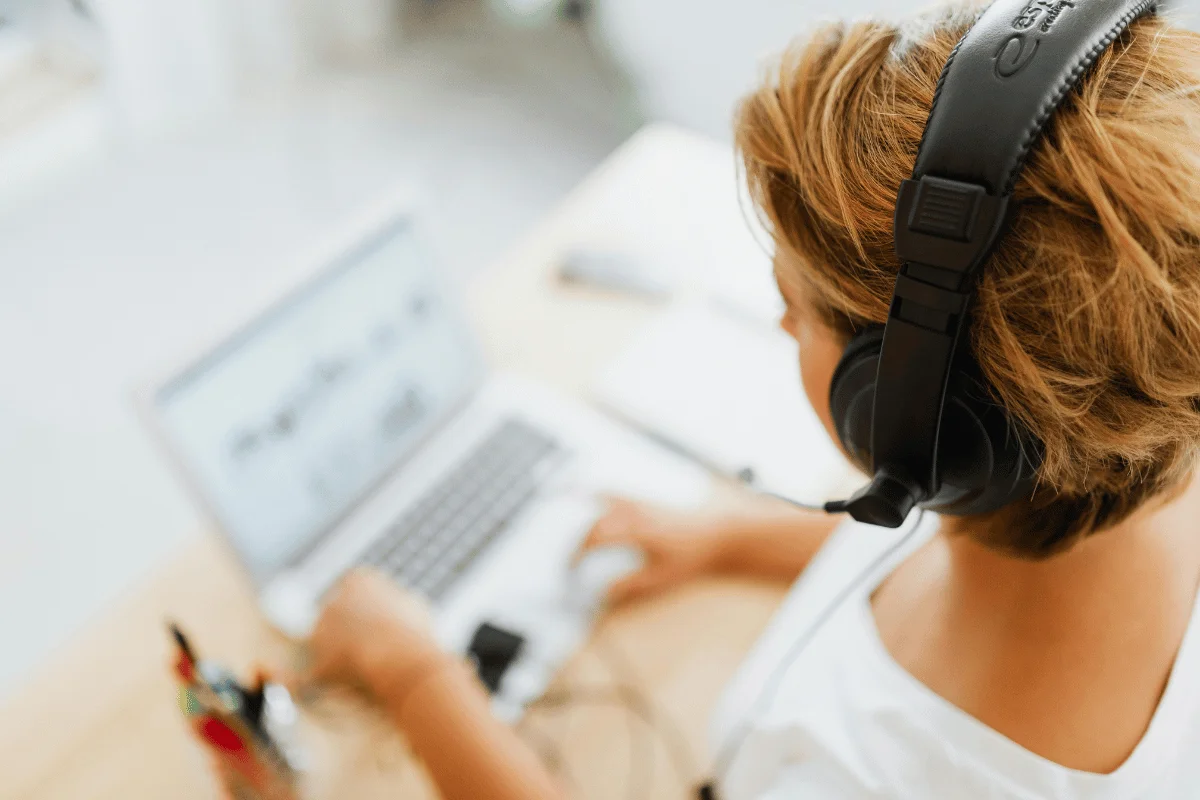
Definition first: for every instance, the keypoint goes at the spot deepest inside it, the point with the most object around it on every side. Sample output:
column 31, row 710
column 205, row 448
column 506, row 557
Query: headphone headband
column 999, row 88
column 1006, row 78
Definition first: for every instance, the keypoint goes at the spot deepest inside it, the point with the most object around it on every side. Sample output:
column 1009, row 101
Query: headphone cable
column 733, row 745
column 673, row 738
column 829, row 507
column 747, row 477
column 623, row 692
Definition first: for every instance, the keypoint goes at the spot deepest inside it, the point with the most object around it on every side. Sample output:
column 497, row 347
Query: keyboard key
column 442, row 534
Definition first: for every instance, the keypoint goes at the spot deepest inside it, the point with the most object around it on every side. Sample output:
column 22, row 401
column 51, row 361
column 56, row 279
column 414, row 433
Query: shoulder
column 1080, row 693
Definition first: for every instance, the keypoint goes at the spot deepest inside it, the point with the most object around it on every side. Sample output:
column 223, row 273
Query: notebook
column 725, row 389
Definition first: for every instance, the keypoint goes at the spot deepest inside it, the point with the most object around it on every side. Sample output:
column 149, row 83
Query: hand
column 677, row 546
column 373, row 634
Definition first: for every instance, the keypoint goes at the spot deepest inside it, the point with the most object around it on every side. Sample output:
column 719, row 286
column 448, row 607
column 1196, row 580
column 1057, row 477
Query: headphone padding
column 852, row 394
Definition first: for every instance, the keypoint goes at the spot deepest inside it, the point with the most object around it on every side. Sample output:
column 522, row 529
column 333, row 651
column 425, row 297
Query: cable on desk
column 674, row 740
column 552, row 756
column 568, row 699
column 626, row 681
column 623, row 693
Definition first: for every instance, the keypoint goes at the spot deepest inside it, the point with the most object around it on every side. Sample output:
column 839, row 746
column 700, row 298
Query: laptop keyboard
column 453, row 523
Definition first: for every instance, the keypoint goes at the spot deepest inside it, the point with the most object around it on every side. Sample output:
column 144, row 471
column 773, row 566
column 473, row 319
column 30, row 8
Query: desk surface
column 100, row 720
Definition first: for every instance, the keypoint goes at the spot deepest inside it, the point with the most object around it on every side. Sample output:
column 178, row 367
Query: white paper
column 727, row 391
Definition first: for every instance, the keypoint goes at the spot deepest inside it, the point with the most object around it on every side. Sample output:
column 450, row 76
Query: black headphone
column 908, row 403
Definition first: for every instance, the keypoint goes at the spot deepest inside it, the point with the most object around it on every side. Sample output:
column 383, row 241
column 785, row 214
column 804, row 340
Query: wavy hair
column 1086, row 323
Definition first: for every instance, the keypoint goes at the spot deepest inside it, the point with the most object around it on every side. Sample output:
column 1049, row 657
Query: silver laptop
column 354, row 422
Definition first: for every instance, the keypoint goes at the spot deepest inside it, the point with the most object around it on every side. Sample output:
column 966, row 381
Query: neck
column 1149, row 562
column 1068, row 656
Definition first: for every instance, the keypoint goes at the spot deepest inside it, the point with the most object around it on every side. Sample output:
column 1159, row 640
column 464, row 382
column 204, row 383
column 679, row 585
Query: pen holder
column 249, row 732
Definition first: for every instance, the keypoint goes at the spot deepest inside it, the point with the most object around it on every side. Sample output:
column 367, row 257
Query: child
column 1046, row 649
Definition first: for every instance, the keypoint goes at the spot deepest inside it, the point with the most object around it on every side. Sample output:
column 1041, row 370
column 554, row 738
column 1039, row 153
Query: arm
column 375, row 635
column 469, row 753
column 776, row 545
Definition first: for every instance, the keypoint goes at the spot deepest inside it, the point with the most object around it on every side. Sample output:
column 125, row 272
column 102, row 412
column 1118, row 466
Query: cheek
column 819, row 356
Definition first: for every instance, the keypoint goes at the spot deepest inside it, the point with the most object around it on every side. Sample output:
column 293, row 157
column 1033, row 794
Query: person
column 1049, row 649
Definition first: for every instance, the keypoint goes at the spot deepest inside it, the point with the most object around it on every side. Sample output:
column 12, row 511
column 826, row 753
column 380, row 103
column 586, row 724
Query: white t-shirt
column 848, row 722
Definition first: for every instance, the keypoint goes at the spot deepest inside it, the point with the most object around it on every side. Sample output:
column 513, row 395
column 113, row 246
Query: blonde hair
column 1086, row 323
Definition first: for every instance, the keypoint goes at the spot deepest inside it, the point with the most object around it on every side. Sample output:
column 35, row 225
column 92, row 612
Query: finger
column 362, row 578
column 298, row 679
column 317, row 669
column 638, row 585
column 413, row 608
column 316, row 661
column 312, row 682
column 617, row 526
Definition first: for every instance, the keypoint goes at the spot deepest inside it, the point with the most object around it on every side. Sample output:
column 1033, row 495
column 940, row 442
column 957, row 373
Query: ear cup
column 852, row 395
column 984, row 461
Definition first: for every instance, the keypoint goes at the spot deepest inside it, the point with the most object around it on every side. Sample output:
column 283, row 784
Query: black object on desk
column 493, row 650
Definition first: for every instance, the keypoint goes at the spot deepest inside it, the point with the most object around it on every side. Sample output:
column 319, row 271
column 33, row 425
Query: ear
column 820, row 353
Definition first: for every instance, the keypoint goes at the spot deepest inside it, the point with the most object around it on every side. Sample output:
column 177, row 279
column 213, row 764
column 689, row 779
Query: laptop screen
column 288, row 425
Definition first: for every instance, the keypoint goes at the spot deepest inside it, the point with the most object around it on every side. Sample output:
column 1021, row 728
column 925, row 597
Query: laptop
column 354, row 422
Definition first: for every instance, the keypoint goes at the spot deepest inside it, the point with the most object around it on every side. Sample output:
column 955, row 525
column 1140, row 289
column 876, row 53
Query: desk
column 100, row 720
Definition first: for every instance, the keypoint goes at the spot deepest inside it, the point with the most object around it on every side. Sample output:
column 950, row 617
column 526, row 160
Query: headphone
column 907, row 400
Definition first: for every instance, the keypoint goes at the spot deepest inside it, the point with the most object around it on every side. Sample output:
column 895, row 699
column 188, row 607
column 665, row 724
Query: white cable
column 819, row 507
column 733, row 745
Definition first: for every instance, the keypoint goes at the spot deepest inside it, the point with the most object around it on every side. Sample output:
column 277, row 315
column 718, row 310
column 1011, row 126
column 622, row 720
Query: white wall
column 170, row 62
column 692, row 59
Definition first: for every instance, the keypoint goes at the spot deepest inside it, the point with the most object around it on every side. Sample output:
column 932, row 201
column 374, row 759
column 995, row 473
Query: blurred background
column 159, row 156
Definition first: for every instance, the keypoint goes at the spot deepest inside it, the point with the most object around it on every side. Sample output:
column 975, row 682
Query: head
column 1086, row 324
